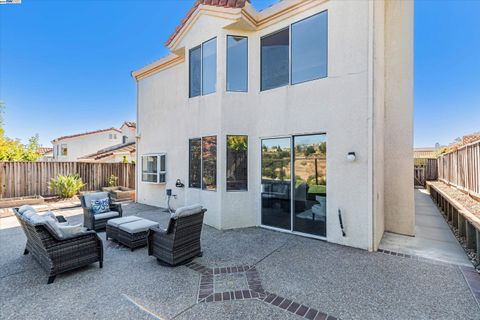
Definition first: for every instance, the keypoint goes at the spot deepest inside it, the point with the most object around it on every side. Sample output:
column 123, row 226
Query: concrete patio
column 323, row 278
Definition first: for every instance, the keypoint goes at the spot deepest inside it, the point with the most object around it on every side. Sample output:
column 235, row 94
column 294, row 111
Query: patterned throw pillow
column 100, row 206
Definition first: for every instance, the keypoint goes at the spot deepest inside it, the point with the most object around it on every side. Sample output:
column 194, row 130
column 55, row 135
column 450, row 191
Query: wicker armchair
column 180, row 242
column 57, row 255
column 98, row 221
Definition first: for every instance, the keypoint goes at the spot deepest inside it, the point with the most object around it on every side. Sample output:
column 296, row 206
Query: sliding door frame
column 292, row 184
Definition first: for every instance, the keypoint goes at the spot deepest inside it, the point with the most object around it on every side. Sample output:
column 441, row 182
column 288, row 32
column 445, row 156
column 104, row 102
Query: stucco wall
column 85, row 145
column 399, row 198
column 337, row 106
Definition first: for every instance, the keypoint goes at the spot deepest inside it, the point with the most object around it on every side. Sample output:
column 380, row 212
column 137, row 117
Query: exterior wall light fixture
column 351, row 156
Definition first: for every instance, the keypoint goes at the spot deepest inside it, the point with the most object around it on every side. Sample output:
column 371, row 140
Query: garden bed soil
column 464, row 199
column 20, row 201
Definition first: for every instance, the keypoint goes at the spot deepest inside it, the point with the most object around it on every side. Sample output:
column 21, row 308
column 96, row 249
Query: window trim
column 201, row 68
column 159, row 172
column 226, row 161
column 226, row 63
column 290, row 64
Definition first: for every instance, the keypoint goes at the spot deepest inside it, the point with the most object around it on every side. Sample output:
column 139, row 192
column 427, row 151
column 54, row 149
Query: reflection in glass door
column 310, row 191
column 276, row 183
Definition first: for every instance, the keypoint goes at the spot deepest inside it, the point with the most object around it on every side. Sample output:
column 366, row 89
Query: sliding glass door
column 276, row 183
column 310, row 193
column 294, row 186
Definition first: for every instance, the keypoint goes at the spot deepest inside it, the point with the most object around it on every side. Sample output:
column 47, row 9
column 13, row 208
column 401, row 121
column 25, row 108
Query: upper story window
column 203, row 68
column 64, row 150
column 275, row 60
column 301, row 48
column 124, row 139
column 309, row 48
column 237, row 63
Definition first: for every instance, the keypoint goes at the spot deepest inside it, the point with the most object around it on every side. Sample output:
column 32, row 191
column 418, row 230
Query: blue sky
column 65, row 65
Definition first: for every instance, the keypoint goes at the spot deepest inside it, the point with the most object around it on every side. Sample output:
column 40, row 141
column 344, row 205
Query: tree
column 13, row 149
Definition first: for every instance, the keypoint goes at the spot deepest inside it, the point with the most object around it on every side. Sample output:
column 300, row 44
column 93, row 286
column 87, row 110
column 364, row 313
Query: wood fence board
column 461, row 168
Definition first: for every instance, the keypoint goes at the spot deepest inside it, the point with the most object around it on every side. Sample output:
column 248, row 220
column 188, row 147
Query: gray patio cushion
column 118, row 221
column 186, row 211
column 28, row 214
column 138, row 226
column 88, row 197
column 106, row 215
column 70, row 231
column 25, row 208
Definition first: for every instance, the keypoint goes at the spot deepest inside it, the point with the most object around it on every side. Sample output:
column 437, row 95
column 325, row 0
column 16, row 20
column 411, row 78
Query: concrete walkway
column 433, row 239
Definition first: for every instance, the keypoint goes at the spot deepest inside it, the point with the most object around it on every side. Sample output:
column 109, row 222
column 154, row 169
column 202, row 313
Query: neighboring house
column 118, row 153
column 284, row 118
column 46, row 154
column 73, row 147
column 424, row 153
column 129, row 131
column 123, row 151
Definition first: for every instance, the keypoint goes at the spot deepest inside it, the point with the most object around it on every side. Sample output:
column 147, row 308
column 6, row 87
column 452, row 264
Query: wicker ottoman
column 113, row 224
column 132, row 234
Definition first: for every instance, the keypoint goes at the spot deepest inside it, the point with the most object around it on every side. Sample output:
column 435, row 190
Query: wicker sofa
column 98, row 221
column 56, row 255
column 180, row 242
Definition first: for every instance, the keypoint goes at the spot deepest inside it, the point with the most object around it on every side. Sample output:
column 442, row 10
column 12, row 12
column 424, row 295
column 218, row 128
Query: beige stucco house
column 91, row 146
column 297, row 118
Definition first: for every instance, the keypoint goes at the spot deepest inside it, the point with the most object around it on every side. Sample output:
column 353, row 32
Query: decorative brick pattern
column 415, row 257
column 208, row 290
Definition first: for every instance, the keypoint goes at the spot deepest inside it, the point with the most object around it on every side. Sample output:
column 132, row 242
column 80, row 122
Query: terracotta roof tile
column 44, row 150
column 130, row 124
column 217, row 3
column 86, row 133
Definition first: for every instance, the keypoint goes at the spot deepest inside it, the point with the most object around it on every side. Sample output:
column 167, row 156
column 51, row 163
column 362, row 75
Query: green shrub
column 66, row 186
column 112, row 181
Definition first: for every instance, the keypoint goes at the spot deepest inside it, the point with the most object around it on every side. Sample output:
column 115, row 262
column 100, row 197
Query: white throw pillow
column 25, row 208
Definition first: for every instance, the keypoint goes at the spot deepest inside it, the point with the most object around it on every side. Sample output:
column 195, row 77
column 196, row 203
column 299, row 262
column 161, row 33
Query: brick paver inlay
column 243, row 283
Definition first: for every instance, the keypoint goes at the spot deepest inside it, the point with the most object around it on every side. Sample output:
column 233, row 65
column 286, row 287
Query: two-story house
column 297, row 118
column 73, row 147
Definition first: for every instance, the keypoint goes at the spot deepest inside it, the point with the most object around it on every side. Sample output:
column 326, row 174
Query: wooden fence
column 425, row 170
column 20, row 179
column 461, row 168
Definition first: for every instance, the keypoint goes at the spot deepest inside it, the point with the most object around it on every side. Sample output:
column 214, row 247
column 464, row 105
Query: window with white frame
column 64, row 150
column 153, row 168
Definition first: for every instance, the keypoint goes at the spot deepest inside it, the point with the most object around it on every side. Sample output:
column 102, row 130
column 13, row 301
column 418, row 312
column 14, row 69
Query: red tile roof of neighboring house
column 471, row 138
column 216, row 3
column 44, row 150
column 86, row 134
column 130, row 124
column 122, row 147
